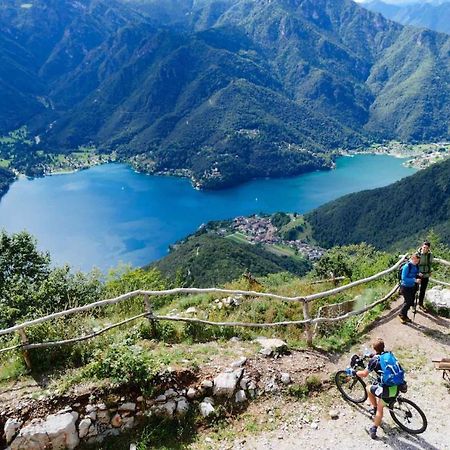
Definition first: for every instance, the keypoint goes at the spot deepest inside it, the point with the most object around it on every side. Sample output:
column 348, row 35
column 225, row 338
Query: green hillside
column 207, row 260
column 6, row 178
column 391, row 216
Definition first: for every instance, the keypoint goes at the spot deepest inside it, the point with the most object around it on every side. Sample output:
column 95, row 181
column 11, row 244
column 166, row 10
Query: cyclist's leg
column 379, row 415
column 372, row 398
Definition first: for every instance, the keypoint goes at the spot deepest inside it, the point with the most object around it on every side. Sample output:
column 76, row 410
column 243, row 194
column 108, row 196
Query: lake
column 110, row 214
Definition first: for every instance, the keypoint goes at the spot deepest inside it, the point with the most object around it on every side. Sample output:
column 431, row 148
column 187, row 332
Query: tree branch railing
column 137, row 293
column 307, row 321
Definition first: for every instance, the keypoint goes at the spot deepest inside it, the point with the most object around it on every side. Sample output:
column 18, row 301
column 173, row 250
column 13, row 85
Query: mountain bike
column 405, row 413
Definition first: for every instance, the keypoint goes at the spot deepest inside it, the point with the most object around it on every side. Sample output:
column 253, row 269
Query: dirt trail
column 309, row 425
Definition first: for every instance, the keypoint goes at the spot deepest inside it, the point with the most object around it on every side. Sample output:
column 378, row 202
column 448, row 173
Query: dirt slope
column 309, row 426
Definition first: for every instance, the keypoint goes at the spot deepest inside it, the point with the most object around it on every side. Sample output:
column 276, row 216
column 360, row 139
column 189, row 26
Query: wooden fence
column 307, row 320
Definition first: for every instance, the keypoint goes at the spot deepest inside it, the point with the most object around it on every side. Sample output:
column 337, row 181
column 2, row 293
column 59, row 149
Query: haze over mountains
column 434, row 15
column 228, row 89
column 390, row 217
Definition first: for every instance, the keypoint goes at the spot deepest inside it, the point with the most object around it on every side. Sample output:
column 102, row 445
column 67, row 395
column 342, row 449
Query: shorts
column 384, row 392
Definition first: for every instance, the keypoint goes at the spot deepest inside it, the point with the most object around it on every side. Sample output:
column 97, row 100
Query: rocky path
column 309, row 425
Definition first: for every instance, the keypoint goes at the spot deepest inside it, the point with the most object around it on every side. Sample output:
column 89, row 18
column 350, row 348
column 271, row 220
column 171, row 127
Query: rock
column 170, row 393
column 314, row 426
column 133, row 447
column 140, row 399
column 285, row 378
column 334, row 414
column 191, row 393
column 116, row 421
column 57, row 432
column 191, row 310
column 161, row 398
column 128, row 423
column 439, row 297
column 239, row 363
column 83, row 427
column 240, row 396
column 92, row 415
column 102, row 407
column 235, row 339
column 225, row 384
column 206, row 409
column 166, row 410
column 64, row 410
column 128, row 407
column 90, row 408
column 182, row 407
column 272, row 346
column 11, row 428
column 206, row 384
column 209, row 400
column 32, row 437
column 103, row 417
column 243, row 384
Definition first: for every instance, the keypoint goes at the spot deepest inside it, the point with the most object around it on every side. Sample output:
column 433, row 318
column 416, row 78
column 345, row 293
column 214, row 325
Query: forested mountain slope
column 207, row 260
column 390, row 216
column 221, row 91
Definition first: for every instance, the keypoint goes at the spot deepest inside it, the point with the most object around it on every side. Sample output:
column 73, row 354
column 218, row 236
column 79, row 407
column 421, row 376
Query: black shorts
column 384, row 392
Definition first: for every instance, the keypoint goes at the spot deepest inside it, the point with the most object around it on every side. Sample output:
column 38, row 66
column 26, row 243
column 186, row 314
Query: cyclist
column 378, row 394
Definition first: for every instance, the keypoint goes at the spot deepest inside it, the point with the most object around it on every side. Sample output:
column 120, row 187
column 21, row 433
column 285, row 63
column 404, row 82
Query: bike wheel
column 408, row 416
column 352, row 389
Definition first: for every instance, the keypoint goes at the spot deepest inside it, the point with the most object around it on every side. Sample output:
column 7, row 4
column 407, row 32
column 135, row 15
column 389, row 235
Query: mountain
column 205, row 260
column 6, row 178
column 219, row 90
column 388, row 217
column 432, row 15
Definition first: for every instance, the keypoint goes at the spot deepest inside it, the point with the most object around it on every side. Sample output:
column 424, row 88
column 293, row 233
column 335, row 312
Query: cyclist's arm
column 362, row 373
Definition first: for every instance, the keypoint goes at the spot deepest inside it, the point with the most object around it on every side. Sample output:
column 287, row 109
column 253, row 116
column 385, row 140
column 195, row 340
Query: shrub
column 123, row 364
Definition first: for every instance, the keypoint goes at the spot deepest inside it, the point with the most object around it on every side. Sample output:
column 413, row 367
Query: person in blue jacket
column 409, row 284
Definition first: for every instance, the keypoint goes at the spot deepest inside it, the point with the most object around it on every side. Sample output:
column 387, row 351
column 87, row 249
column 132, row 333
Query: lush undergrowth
column 134, row 353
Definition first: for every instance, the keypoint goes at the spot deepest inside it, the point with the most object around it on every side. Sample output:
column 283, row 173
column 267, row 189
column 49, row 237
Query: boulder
column 182, row 407
column 240, row 396
column 206, row 409
column 439, row 297
column 285, row 378
column 83, row 427
column 58, row 431
column 127, row 407
column 127, row 423
column 32, row 437
column 239, row 363
column 272, row 346
column 191, row 310
column 225, row 384
column 11, row 428
column 191, row 393
column 116, row 421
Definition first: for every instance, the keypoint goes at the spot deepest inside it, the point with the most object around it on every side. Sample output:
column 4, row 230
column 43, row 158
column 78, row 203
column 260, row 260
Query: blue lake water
column 110, row 214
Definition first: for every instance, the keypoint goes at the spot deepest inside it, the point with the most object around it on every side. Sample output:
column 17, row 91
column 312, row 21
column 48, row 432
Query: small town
column 260, row 230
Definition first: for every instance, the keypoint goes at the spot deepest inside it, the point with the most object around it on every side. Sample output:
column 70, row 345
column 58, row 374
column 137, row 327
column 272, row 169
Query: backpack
column 393, row 374
column 400, row 269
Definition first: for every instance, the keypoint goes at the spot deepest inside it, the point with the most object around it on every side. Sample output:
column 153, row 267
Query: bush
column 123, row 364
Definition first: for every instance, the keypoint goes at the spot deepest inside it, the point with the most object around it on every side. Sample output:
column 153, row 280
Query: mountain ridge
column 189, row 92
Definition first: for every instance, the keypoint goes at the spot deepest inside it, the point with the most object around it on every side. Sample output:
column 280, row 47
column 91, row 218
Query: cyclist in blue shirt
column 378, row 394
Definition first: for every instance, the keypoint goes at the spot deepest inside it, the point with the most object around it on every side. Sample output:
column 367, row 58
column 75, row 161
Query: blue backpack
column 393, row 374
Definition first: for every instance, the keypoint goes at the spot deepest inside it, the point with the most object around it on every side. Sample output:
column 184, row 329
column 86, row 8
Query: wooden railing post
column 308, row 328
column 149, row 311
column 26, row 355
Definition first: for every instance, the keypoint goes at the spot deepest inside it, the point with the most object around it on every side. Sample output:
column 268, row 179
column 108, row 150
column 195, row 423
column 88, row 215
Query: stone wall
column 94, row 421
